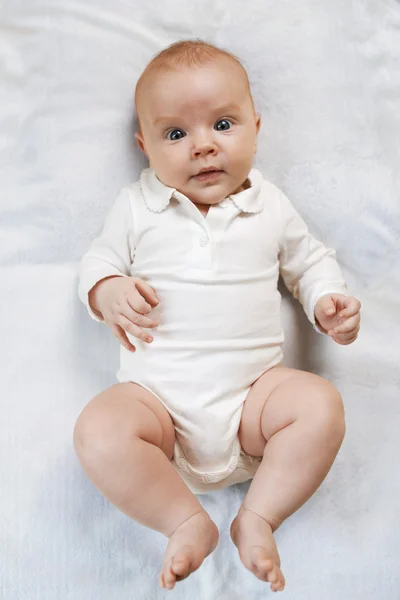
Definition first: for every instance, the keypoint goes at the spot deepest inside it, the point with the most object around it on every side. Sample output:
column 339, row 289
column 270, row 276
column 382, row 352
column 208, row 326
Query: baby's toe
column 165, row 580
column 266, row 569
column 274, row 574
column 279, row 584
column 161, row 580
column 181, row 566
column 167, row 577
column 263, row 563
column 175, row 569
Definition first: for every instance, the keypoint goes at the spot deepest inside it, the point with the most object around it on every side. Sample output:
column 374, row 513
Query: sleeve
column 308, row 268
column 111, row 253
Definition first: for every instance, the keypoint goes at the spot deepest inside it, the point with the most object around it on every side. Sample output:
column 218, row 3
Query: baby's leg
column 295, row 420
column 124, row 439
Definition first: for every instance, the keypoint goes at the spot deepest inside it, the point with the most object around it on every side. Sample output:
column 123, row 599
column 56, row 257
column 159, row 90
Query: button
column 209, row 479
column 181, row 462
column 204, row 240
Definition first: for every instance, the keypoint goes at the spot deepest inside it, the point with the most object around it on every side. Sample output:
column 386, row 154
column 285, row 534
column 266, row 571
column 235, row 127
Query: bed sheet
column 326, row 79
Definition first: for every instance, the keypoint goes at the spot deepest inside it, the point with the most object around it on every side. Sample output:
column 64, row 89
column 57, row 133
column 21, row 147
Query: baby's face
column 199, row 118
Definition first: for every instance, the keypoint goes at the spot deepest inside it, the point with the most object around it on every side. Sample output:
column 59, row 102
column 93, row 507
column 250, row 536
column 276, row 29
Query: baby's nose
column 204, row 147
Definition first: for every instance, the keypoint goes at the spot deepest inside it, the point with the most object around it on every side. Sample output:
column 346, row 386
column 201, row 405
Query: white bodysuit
column 219, row 311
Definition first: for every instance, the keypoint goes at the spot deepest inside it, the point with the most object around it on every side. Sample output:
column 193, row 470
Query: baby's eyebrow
column 165, row 118
column 223, row 109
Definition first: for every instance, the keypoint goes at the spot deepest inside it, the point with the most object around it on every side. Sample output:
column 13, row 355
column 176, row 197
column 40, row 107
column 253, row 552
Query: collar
column 157, row 195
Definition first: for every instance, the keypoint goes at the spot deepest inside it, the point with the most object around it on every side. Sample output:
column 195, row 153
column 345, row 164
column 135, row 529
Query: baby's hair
column 189, row 53
column 186, row 53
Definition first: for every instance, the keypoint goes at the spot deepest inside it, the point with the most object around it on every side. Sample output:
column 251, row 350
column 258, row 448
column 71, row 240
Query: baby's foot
column 257, row 548
column 188, row 546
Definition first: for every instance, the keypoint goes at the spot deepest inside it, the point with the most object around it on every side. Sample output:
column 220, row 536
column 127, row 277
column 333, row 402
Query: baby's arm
column 109, row 254
column 105, row 285
column 310, row 271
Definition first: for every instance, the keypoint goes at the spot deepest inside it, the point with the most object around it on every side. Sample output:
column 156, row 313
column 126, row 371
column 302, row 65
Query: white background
column 326, row 79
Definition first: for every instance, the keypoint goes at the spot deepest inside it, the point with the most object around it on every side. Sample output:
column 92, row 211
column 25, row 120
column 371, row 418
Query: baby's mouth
column 210, row 175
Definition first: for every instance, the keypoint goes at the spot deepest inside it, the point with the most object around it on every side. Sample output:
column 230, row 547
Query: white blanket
column 326, row 79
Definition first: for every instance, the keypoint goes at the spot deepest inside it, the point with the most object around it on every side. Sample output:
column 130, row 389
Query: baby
column 185, row 273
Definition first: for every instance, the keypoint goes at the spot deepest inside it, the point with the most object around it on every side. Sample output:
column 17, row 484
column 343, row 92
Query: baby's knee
column 87, row 432
column 98, row 430
column 329, row 409
column 113, row 421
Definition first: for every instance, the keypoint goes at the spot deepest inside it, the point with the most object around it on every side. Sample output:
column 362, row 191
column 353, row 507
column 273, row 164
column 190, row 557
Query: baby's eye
column 222, row 125
column 176, row 134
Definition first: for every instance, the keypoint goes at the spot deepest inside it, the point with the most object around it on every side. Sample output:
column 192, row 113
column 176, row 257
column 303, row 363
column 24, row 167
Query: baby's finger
column 134, row 330
column 352, row 307
column 146, row 291
column 348, row 325
column 122, row 337
column 137, row 318
column 136, row 301
column 345, row 338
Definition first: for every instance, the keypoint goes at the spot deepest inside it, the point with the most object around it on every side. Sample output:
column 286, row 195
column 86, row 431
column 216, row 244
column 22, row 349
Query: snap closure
column 181, row 462
column 209, row 479
column 204, row 240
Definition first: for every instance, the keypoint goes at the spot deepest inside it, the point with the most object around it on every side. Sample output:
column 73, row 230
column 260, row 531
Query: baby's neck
column 203, row 208
column 245, row 186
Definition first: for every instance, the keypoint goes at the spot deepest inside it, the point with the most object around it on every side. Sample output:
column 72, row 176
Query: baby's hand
column 123, row 303
column 339, row 317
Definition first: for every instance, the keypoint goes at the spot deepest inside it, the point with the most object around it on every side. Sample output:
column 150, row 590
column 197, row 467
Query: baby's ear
column 258, row 125
column 140, row 142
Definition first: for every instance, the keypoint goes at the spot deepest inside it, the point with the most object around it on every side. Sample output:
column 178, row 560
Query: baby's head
column 196, row 112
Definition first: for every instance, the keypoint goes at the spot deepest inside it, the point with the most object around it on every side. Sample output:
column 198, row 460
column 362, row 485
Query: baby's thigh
column 118, row 415
column 281, row 396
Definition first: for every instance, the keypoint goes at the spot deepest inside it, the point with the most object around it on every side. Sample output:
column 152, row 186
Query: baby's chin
column 207, row 194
